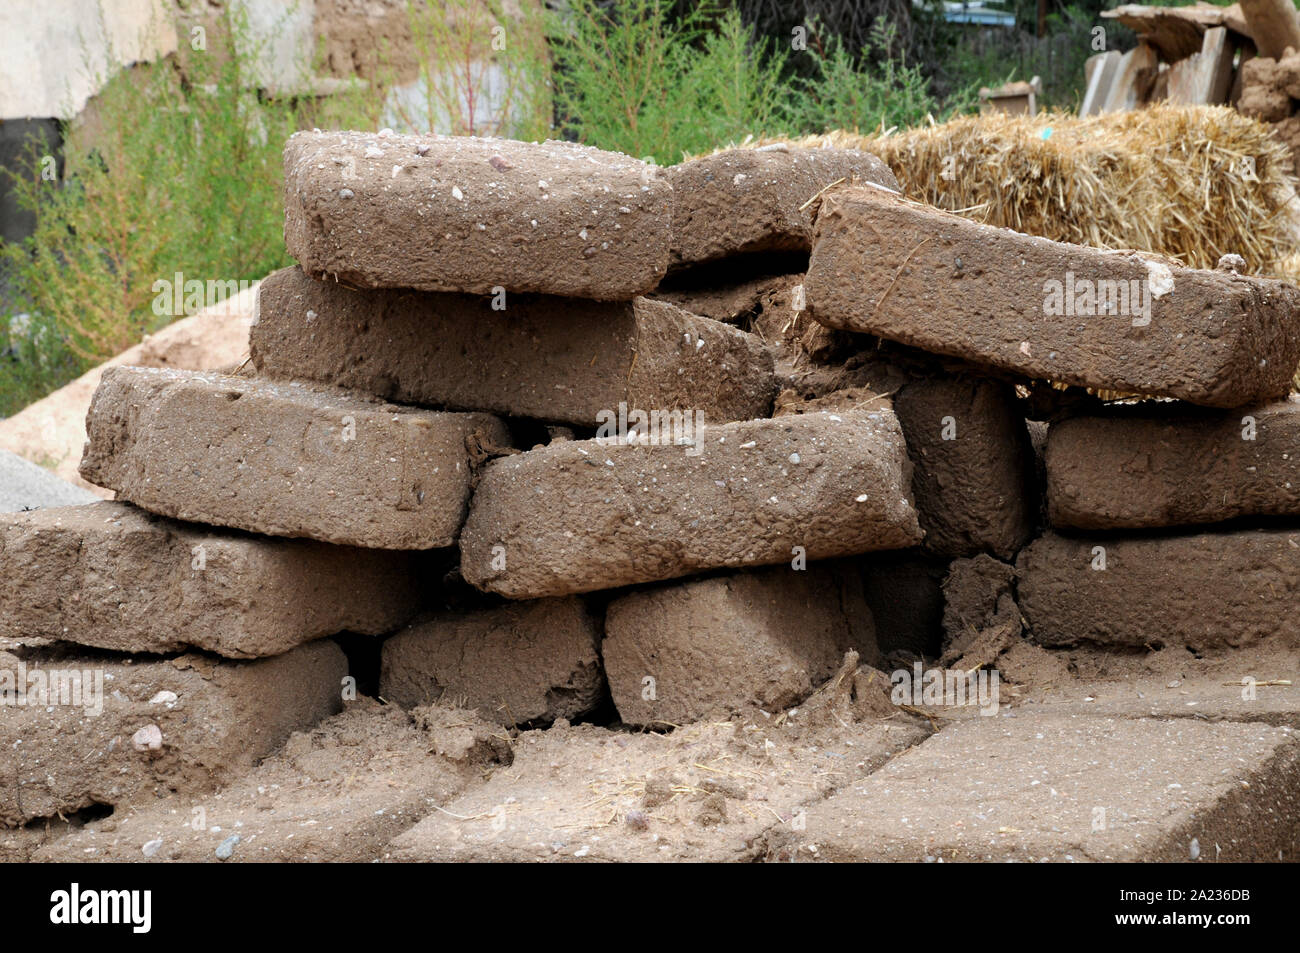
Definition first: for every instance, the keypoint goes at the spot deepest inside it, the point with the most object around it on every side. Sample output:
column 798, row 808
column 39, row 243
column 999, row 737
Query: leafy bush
column 876, row 90
column 631, row 78
column 175, row 173
column 33, row 361
column 637, row 80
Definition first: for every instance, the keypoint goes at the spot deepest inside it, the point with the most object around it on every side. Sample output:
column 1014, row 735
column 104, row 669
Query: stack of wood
column 1014, row 99
column 1247, row 55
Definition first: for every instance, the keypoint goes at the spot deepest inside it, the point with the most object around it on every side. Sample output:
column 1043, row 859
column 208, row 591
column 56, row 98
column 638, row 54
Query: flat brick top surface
column 884, row 265
column 442, row 213
column 758, row 200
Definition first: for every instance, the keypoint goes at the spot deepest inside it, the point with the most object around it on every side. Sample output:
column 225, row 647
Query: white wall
column 56, row 54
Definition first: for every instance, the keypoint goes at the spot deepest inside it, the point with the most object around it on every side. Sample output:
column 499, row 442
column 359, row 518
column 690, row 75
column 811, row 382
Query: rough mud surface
column 185, row 724
column 932, row 280
column 284, row 459
column 111, row 576
column 336, row 792
column 743, row 201
column 1140, row 467
column 762, row 639
column 455, row 351
column 582, row 515
column 847, row 775
column 972, row 465
column 1210, row 592
column 534, row 661
column 440, row 213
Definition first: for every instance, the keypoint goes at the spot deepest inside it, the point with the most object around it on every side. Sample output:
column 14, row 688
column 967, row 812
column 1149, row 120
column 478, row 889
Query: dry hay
column 1190, row 183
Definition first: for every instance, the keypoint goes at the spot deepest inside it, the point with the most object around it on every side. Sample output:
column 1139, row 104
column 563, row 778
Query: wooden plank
column 1090, row 66
column 1160, row 88
column 1203, row 77
column 1174, row 32
column 1247, row 53
column 1137, row 65
column 1015, row 99
column 1220, row 54
column 1099, row 82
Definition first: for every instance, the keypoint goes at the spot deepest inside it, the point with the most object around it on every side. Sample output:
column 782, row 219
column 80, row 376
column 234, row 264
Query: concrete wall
column 56, row 54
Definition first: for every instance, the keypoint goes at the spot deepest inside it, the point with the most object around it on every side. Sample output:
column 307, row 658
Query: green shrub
column 632, row 79
column 636, row 80
column 875, row 91
column 178, row 173
column 33, row 361
column 737, row 86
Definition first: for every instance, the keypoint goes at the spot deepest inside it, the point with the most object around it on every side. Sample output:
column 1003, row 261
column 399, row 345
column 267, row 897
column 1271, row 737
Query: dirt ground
column 379, row 783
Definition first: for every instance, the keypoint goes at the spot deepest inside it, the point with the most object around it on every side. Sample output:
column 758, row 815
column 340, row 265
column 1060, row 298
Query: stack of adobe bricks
column 573, row 431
